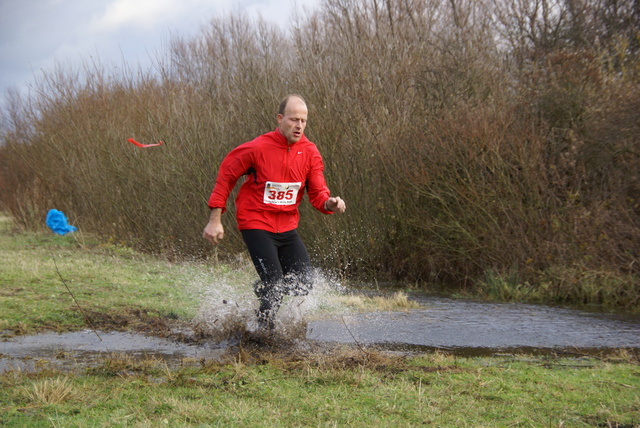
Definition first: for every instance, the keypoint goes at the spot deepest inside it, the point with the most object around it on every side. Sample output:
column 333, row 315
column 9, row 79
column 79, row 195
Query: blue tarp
column 57, row 221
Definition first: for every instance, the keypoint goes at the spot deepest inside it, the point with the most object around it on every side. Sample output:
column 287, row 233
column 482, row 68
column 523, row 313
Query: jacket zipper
column 287, row 166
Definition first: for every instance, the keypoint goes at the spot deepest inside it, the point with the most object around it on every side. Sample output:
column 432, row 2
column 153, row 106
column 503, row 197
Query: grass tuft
column 47, row 392
column 398, row 301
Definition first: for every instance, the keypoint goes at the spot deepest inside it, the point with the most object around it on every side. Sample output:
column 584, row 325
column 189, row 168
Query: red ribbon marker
column 132, row 141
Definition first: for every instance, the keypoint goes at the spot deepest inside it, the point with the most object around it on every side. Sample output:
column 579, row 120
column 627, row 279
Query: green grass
column 42, row 273
column 348, row 388
column 558, row 285
column 261, row 386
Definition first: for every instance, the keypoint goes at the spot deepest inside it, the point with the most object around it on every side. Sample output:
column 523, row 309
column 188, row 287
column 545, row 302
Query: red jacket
column 277, row 175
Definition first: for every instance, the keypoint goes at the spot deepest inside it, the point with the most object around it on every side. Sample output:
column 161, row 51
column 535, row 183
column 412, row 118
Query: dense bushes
column 483, row 143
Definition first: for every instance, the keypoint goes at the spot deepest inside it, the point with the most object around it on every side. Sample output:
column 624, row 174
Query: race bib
column 281, row 193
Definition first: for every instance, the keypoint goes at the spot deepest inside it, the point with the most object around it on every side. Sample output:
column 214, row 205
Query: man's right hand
column 213, row 231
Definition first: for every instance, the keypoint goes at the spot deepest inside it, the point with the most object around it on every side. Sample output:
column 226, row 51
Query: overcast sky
column 37, row 34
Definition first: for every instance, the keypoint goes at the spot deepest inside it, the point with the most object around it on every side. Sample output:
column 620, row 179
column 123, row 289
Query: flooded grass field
column 457, row 326
column 175, row 345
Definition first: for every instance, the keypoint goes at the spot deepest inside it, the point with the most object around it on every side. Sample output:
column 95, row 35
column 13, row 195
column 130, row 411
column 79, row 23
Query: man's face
column 294, row 120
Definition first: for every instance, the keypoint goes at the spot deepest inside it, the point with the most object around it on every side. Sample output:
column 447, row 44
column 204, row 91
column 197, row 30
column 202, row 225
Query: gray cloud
column 35, row 35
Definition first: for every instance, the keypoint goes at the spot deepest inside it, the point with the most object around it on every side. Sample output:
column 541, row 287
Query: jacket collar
column 283, row 140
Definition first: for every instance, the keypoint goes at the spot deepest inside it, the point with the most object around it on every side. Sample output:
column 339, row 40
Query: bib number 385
column 281, row 193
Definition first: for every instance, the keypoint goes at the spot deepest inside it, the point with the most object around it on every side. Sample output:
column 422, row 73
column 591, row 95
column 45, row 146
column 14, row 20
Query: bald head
column 292, row 118
column 285, row 102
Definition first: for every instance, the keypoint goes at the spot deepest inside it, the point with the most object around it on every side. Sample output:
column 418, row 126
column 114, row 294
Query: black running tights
column 283, row 264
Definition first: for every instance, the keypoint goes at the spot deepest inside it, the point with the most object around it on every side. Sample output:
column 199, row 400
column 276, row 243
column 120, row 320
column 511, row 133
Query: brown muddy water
column 457, row 326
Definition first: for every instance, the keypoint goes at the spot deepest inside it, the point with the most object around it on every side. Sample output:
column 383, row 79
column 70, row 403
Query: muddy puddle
column 479, row 328
column 457, row 326
column 82, row 348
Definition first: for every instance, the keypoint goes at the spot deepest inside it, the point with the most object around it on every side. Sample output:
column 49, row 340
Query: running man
column 279, row 167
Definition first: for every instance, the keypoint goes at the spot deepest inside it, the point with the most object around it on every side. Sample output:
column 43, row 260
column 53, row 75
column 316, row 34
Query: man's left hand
column 335, row 204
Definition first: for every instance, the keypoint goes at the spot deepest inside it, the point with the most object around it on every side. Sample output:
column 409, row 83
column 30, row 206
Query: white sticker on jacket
column 281, row 193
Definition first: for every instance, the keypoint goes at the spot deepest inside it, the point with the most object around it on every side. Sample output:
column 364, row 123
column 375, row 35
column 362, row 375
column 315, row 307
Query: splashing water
column 229, row 307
